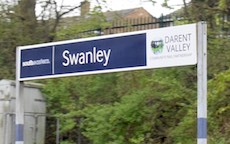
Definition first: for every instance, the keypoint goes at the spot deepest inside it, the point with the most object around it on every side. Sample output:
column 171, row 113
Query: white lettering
column 89, row 56
column 35, row 62
column 82, row 58
column 66, row 58
column 100, row 56
column 107, row 55
column 73, row 59
column 94, row 56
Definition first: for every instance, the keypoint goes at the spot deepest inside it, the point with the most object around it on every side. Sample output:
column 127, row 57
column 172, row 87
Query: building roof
column 127, row 13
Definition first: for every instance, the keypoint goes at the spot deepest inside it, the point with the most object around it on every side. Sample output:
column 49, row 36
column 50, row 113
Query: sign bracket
column 140, row 56
column 202, row 84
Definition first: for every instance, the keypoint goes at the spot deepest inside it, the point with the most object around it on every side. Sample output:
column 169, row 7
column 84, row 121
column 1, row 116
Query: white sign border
column 20, row 48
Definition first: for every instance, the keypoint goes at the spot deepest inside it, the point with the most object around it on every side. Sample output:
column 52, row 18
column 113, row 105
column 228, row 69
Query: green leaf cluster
column 129, row 107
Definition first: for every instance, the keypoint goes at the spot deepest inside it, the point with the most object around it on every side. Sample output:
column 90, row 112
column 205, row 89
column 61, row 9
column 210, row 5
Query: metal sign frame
column 147, row 49
column 201, row 45
column 202, row 84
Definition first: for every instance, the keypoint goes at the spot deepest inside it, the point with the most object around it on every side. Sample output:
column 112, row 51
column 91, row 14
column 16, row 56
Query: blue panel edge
column 19, row 132
column 202, row 128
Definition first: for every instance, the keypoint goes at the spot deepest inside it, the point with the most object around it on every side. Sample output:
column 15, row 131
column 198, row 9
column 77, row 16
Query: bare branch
column 70, row 10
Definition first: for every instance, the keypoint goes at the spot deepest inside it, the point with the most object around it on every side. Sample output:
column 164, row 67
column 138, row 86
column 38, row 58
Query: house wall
column 138, row 13
column 135, row 20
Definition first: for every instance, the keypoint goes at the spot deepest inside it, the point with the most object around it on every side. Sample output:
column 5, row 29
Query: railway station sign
column 155, row 48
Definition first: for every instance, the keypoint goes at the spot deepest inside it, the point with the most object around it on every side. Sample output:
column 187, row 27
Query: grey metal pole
column 79, row 132
column 5, row 128
column 57, row 131
column 19, row 111
column 202, row 84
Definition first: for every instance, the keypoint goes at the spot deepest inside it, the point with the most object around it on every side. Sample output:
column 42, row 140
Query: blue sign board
column 36, row 62
column 84, row 56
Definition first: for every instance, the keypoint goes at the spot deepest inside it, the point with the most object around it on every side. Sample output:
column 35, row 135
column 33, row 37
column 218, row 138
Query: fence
column 128, row 25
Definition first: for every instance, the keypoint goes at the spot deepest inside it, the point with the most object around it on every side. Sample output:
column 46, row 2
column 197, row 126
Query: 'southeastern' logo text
column 35, row 62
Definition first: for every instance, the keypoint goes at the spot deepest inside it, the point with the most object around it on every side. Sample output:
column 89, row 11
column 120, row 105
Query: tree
column 150, row 106
column 219, row 107
column 19, row 25
column 128, row 107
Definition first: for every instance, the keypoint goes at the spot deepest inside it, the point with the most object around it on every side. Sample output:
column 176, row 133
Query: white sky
column 156, row 10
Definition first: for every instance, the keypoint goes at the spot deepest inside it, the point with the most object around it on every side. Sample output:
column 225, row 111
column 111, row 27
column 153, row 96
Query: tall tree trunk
column 186, row 10
column 27, row 13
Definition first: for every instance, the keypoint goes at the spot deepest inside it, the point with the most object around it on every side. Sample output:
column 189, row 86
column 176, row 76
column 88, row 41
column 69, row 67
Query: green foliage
column 14, row 31
column 129, row 107
column 185, row 131
column 119, row 123
column 218, row 114
column 219, row 107
column 218, row 55
column 95, row 20
column 67, row 142
column 223, row 4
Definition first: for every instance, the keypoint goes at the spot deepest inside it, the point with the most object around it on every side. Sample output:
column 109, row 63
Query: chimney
column 85, row 7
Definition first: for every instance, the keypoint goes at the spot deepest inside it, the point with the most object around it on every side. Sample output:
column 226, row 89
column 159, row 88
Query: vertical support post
column 4, row 128
column 79, row 131
column 202, row 84
column 19, row 111
column 57, row 130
